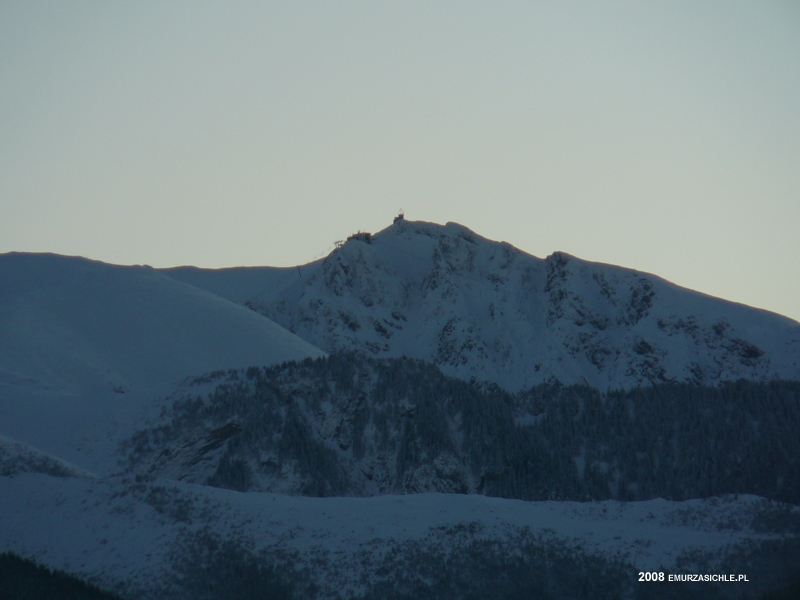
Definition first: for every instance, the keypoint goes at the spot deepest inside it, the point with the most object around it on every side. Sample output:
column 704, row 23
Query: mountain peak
column 483, row 309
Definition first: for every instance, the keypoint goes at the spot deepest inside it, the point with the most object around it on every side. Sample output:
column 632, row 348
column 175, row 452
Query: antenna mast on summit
column 400, row 216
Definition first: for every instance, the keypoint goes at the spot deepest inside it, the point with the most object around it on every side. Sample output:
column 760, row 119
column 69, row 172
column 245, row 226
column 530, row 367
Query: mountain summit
column 486, row 310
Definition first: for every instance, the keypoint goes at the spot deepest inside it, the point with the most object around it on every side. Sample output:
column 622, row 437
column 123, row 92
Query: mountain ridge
column 487, row 310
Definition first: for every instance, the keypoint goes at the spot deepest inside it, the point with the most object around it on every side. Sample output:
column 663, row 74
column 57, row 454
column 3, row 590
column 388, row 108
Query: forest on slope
column 347, row 425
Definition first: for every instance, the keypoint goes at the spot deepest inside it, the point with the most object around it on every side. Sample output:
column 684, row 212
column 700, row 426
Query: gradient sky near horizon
column 660, row 136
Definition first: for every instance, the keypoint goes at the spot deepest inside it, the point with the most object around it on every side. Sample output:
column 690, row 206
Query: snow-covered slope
column 165, row 539
column 71, row 323
column 85, row 345
column 484, row 309
column 16, row 458
column 240, row 284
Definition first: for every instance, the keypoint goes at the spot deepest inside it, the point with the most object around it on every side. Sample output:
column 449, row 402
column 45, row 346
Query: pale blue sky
column 662, row 136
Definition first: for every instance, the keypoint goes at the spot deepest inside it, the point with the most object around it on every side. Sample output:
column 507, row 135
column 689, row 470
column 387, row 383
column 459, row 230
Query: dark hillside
column 349, row 425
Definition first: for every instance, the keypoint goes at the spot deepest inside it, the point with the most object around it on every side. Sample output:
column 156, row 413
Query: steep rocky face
column 339, row 427
column 483, row 309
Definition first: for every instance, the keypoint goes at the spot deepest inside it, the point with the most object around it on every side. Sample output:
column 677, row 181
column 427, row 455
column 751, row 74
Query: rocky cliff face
column 484, row 309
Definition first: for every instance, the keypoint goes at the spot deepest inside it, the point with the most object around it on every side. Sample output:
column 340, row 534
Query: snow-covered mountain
column 484, row 309
column 129, row 397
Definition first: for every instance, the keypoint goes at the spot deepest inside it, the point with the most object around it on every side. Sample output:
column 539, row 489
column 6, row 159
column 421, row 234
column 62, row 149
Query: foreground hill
column 483, row 309
column 166, row 540
column 86, row 343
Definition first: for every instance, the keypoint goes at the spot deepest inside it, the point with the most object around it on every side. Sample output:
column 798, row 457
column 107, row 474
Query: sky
column 660, row 136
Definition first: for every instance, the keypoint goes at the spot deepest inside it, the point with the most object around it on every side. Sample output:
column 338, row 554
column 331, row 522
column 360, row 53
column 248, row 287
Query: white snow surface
column 484, row 309
column 121, row 537
column 86, row 348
